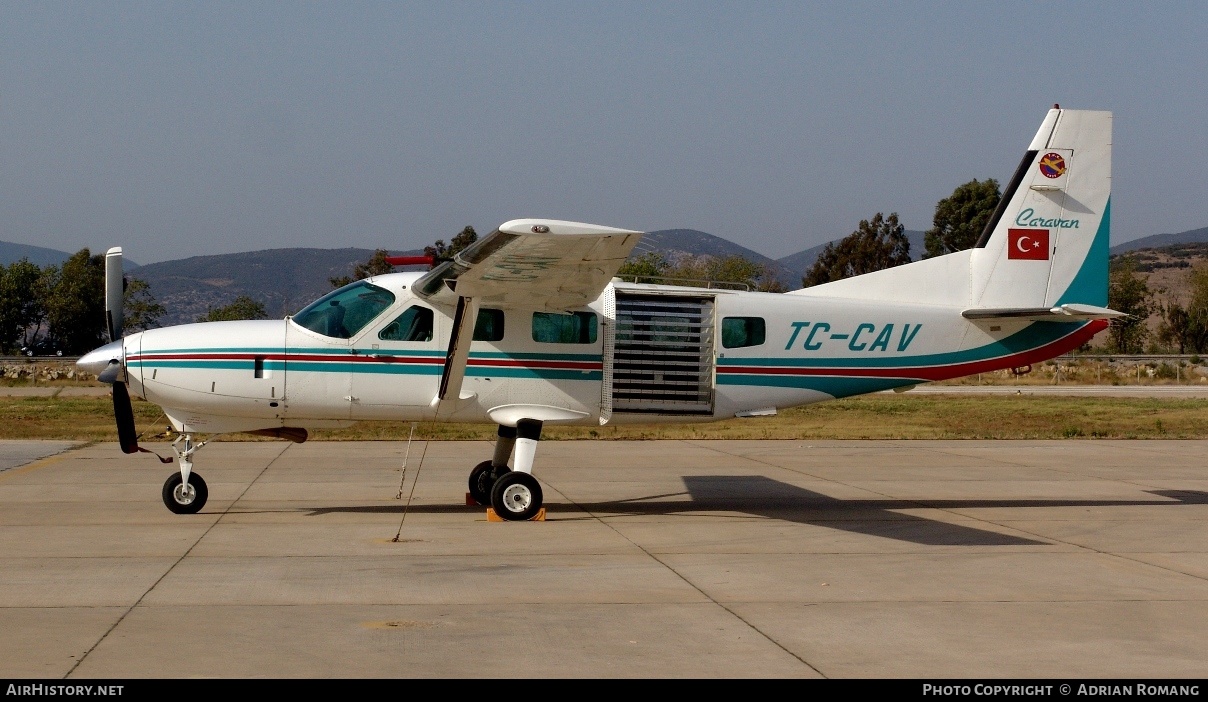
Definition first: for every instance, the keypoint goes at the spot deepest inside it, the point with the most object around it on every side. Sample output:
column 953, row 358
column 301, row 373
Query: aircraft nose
column 98, row 359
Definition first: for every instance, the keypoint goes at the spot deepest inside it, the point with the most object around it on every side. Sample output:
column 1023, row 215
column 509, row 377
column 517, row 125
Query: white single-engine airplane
column 529, row 326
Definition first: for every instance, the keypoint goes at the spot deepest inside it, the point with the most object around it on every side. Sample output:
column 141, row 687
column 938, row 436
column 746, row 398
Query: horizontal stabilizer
column 1062, row 313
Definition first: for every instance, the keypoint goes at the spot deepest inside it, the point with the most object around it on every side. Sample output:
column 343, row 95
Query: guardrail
column 38, row 359
column 1136, row 357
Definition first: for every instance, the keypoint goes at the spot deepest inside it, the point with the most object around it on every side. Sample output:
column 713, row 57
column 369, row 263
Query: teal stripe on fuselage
column 581, row 357
column 1031, row 337
column 831, row 385
column 376, row 368
column 533, row 373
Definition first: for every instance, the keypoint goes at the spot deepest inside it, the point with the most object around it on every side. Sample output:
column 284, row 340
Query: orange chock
column 492, row 517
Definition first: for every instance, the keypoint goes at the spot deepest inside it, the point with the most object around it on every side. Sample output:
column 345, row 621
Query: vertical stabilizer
column 1047, row 242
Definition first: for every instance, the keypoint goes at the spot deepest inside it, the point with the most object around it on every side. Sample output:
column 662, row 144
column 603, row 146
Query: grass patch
column 868, row 417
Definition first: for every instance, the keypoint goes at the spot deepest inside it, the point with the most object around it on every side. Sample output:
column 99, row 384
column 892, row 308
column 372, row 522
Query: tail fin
column 1047, row 243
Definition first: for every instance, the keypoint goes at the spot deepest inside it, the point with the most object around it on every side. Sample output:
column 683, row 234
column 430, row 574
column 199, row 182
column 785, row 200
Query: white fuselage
column 640, row 353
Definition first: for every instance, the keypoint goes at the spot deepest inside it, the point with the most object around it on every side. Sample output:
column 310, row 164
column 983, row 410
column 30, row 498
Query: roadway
column 1079, row 559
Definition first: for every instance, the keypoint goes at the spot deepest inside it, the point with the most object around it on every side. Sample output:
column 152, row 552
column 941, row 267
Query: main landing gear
column 185, row 492
column 514, row 493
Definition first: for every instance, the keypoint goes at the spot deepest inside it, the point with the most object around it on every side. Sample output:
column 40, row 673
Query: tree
column 728, row 269
column 376, row 265
column 653, row 267
column 22, row 307
column 140, row 310
column 961, row 217
column 875, row 245
column 1127, row 292
column 1186, row 328
column 1175, row 327
column 243, row 307
column 75, row 305
column 651, row 264
column 441, row 252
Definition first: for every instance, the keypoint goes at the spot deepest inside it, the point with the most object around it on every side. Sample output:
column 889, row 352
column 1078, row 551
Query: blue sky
column 182, row 129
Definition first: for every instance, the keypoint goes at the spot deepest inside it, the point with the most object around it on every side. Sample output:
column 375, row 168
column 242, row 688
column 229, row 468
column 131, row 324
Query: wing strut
column 459, row 351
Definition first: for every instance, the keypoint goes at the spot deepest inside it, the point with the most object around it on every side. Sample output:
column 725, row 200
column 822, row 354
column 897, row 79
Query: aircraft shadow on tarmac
column 759, row 496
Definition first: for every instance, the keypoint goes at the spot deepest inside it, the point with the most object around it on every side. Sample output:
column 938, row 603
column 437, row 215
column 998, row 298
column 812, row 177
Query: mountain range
column 1191, row 236
column 39, row 255
column 285, row 280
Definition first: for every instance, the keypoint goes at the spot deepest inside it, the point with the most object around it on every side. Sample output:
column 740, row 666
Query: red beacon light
column 410, row 260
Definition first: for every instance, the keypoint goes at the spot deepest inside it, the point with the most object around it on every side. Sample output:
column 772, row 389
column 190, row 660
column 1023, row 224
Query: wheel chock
column 492, row 517
column 470, row 501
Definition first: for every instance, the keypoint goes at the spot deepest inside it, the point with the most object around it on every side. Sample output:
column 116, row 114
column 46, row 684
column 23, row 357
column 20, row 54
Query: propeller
column 108, row 361
column 115, row 293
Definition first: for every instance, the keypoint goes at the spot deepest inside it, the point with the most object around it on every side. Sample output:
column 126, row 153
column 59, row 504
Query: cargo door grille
column 663, row 358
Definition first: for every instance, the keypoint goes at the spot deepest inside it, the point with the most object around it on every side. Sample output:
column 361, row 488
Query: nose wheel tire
column 185, row 499
column 516, row 497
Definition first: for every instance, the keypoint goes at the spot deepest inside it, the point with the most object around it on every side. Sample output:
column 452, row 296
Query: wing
column 533, row 264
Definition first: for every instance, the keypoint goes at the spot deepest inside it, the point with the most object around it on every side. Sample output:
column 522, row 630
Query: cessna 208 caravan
column 530, row 326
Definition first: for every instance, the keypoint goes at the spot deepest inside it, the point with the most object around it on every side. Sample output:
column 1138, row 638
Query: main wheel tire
column 516, row 497
column 182, row 499
column 482, row 479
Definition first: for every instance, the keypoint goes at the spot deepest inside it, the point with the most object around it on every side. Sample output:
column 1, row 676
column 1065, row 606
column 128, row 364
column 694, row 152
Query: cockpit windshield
column 344, row 312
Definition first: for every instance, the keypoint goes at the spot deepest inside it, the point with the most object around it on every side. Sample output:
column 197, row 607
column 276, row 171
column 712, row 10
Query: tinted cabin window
column 554, row 328
column 413, row 325
column 737, row 332
column 489, row 325
column 344, row 312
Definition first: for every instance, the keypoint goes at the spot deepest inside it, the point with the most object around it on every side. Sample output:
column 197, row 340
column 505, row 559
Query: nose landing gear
column 185, row 492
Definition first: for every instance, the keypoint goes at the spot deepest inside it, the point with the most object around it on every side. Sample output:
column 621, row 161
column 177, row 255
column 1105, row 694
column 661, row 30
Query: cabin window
column 413, row 325
column 344, row 312
column 737, row 332
column 489, row 325
column 555, row 328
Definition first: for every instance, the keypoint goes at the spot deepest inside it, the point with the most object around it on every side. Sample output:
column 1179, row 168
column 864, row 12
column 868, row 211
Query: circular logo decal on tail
column 1052, row 166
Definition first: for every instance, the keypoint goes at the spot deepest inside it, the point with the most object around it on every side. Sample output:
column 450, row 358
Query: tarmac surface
column 707, row 559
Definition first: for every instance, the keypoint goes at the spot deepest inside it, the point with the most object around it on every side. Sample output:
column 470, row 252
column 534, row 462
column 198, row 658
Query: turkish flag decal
column 1030, row 244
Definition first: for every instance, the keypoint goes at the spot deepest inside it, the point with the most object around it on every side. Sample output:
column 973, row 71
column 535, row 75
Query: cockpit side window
column 344, row 312
column 413, row 325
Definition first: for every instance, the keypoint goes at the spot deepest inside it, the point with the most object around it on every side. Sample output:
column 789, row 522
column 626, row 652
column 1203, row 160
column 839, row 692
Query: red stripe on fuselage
column 367, row 358
column 945, row 372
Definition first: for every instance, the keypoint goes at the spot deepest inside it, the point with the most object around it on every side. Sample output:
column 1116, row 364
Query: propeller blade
column 115, row 292
column 123, row 412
